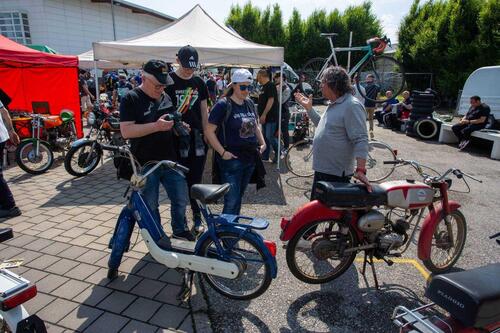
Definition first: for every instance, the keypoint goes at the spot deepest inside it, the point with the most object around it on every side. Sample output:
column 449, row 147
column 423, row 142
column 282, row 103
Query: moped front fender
column 311, row 211
column 81, row 142
column 34, row 140
column 428, row 227
column 254, row 236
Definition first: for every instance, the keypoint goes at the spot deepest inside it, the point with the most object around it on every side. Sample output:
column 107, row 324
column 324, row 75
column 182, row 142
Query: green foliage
column 301, row 37
column 450, row 38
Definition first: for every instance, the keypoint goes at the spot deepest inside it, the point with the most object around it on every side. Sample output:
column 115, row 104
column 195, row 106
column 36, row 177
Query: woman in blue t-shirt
column 235, row 135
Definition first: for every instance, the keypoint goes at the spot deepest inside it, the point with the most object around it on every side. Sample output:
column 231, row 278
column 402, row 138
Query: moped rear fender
column 312, row 211
column 427, row 231
column 257, row 238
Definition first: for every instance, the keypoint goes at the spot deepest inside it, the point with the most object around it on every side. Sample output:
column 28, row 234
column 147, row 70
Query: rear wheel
column 388, row 73
column 299, row 157
column 448, row 241
column 254, row 272
column 378, row 152
column 316, row 253
column 32, row 162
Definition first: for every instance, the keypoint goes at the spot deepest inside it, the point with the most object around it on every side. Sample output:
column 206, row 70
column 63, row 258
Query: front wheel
column 318, row 252
column 32, row 161
column 254, row 272
column 299, row 158
column 448, row 242
column 82, row 160
column 312, row 69
column 388, row 75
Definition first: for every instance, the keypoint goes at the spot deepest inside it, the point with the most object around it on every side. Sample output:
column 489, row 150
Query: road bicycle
column 388, row 73
column 232, row 256
column 298, row 159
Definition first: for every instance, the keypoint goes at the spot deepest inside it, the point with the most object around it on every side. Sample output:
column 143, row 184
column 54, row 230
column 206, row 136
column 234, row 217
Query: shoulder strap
column 229, row 108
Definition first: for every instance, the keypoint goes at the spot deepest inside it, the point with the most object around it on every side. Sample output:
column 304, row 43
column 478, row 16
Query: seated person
column 393, row 120
column 474, row 120
column 386, row 107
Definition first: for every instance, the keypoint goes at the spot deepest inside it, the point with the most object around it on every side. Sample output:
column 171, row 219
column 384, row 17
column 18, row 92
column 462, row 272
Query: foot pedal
column 389, row 262
column 187, row 286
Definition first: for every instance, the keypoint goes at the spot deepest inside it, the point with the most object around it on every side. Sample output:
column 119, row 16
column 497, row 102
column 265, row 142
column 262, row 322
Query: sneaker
column 371, row 135
column 8, row 213
column 303, row 244
column 463, row 144
column 186, row 235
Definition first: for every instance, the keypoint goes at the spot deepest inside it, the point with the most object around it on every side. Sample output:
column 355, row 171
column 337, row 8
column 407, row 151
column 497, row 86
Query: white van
column 485, row 83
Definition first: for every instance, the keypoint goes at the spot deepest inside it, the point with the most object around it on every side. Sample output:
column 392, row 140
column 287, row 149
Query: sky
column 390, row 12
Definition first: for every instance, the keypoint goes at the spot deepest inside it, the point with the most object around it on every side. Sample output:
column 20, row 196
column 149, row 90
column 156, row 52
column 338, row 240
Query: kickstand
column 187, row 286
column 369, row 260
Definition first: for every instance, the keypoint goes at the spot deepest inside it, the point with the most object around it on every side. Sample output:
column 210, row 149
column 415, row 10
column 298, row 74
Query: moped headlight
column 91, row 118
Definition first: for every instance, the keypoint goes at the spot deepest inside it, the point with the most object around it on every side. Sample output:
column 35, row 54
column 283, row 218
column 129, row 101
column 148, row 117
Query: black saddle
column 209, row 194
column 472, row 297
column 349, row 195
column 5, row 234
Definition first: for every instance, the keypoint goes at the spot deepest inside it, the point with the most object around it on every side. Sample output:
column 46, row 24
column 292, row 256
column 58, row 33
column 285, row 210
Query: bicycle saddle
column 328, row 34
column 350, row 195
column 5, row 234
column 472, row 296
column 208, row 194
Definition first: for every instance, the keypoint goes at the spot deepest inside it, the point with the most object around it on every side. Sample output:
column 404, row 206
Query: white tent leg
column 96, row 82
column 279, row 119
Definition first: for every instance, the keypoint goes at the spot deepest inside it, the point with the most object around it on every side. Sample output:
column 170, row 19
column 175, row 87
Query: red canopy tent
column 28, row 76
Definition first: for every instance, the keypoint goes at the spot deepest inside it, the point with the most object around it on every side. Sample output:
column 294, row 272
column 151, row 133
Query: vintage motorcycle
column 325, row 235
column 470, row 297
column 41, row 135
column 85, row 154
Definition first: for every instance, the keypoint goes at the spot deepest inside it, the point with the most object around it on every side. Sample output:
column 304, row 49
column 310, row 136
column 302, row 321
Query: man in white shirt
column 8, row 206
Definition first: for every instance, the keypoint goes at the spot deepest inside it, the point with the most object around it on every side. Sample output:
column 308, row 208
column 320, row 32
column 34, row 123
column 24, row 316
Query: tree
column 276, row 31
column 295, row 38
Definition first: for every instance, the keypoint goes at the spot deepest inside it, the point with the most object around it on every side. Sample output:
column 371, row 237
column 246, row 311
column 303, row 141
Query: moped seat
column 5, row 234
column 472, row 296
column 350, row 195
column 207, row 193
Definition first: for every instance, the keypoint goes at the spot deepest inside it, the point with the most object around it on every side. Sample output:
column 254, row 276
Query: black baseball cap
column 188, row 57
column 159, row 70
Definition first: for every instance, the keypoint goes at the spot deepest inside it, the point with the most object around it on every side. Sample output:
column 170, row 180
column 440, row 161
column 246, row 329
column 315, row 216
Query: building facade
column 70, row 26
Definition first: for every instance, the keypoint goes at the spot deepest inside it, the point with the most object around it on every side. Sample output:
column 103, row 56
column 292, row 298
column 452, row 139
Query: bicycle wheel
column 311, row 71
column 255, row 274
column 447, row 243
column 298, row 159
column 389, row 75
column 378, row 152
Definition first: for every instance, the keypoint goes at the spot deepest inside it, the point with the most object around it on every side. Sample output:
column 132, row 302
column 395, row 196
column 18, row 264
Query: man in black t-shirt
column 142, row 120
column 212, row 88
column 475, row 120
column 268, row 111
column 195, row 115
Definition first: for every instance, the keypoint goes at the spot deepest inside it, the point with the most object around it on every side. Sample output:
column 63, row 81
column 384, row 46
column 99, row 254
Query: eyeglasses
column 157, row 86
column 246, row 87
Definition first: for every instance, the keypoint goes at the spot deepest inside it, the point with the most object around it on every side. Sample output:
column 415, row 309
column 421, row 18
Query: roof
column 135, row 8
column 13, row 54
column 216, row 44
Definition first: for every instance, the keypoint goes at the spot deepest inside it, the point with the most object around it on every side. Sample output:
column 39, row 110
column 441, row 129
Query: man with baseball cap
column 142, row 120
column 195, row 115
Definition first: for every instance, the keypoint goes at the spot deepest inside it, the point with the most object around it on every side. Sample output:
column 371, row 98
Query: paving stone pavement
column 62, row 237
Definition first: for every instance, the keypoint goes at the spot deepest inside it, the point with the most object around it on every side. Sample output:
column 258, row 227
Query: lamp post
column 113, row 19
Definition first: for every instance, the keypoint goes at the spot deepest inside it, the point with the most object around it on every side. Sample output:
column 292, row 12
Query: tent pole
column 279, row 118
column 96, row 82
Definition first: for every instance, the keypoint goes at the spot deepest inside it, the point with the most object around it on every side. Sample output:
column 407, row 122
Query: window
column 15, row 25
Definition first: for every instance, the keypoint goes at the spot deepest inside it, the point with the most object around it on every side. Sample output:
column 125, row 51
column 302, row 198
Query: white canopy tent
column 86, row 61
column 216, row 45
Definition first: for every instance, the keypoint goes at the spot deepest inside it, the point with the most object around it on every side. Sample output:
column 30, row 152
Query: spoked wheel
column 378, row 152
column 81, row 160
column 254, row 273
column 316, row 254
column 388, row 73
column 32, row 162
column 299, row 158
column 447, row 243
column 311, row 70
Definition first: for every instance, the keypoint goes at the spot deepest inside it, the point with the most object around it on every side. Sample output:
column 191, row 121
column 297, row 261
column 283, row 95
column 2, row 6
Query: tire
column 389, row 75
column 311, row 69
column 223, row 285
column 461, row 233
column 379, row 152
column 81, row 153
column 310, row 229
column 28, row 162
column 426, row 129
column 298, row 159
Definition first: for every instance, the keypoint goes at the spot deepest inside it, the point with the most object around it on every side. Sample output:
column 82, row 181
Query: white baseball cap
column 241, row 75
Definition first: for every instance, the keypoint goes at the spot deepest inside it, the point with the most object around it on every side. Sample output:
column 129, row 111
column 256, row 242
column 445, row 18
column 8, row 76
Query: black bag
column 123, row 167
column 491, row 123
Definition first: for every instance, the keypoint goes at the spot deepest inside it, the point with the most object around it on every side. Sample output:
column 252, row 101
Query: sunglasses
column 246, row 87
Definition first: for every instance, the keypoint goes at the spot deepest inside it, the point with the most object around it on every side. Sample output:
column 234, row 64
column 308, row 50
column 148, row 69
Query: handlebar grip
column 391, row 162
column 178, row 166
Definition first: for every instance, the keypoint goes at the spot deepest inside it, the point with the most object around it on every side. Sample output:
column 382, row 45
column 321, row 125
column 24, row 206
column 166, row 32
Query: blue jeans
column 269, row 131
column 238, row 174
column 176, row 187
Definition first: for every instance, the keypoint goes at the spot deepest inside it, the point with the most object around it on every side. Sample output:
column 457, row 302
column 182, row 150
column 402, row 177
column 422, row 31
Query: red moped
column 324, row 236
